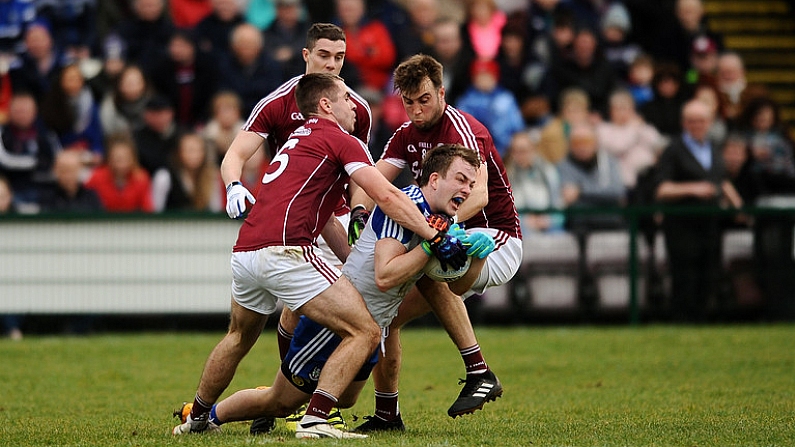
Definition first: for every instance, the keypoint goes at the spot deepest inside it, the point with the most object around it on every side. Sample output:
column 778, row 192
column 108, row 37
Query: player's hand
column 440, row 222
column 236, row 196
column 448, row 250
column 458, row 232
column 480, row 244
column 359, row 216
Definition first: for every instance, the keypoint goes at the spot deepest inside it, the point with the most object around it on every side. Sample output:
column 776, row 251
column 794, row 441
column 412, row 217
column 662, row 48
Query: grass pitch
column 647, row 386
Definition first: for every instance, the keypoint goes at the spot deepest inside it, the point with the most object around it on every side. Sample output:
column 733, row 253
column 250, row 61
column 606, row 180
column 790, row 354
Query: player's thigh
column 246, row 322
column 415, row 304
column 292, row 274
column 501, row 264
column 341, row 309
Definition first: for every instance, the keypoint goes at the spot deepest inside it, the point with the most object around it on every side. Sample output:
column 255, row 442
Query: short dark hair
column 323, row 31
column 441, row 157
column 311, row 88
column 411, row 73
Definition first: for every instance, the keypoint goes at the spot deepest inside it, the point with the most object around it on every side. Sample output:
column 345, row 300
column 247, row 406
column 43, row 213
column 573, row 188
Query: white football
column 433, row 269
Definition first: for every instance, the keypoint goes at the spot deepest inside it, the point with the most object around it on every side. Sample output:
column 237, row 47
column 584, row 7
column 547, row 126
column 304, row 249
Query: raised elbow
column 383, row 284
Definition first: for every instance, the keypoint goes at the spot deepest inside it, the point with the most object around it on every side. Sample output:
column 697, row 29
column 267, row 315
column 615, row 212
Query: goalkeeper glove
column 359, row 216
column 236, row 196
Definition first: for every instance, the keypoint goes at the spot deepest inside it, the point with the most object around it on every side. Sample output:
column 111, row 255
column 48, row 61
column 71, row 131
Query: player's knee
column 282, row 410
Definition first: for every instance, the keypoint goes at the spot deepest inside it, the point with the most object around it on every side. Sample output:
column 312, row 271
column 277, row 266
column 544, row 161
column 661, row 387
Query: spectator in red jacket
column 122, row 184
column 370, row 48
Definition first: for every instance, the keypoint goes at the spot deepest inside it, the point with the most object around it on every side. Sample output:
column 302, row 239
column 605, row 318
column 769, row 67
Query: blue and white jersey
column 360, row 266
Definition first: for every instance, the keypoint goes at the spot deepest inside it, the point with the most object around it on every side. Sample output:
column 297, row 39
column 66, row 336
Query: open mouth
column 458, row 200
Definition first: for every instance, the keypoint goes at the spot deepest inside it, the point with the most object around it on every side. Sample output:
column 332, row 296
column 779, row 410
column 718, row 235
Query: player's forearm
column 403, row 211
column 359, row 197
column 400, row 269
column 242, row 148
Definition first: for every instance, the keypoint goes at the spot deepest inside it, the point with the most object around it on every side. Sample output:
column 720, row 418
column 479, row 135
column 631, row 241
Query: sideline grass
column 648, row 386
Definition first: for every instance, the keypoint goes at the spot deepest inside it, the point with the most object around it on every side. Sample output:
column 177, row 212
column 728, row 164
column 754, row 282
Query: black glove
column 448, row 250
column 359, row 216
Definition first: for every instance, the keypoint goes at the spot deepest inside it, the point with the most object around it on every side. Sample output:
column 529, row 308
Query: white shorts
column 501, row 264
column 293, row 275
column 325, row 250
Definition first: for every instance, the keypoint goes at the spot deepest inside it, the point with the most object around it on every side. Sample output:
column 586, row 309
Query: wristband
column 358, row 206
column 232, row 184
column 426, row 247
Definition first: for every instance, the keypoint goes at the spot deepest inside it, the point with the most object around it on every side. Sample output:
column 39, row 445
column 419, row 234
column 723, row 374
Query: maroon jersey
column 276, row 116
column 408, row 146
column 302, row 186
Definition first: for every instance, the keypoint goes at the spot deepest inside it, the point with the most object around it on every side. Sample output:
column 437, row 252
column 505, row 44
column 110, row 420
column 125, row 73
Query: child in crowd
column 491, row 104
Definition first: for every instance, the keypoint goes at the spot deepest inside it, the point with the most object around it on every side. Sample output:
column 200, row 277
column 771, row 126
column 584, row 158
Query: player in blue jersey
column 383, row 265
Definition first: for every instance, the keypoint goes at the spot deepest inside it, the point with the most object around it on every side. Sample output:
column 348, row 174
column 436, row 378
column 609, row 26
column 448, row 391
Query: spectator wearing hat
column 618, row 50
column 491, row 104
column 157, row 139
column 703, row 62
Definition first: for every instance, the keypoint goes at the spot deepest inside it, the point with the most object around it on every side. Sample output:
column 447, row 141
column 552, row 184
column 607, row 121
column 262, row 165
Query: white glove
column 236, row 196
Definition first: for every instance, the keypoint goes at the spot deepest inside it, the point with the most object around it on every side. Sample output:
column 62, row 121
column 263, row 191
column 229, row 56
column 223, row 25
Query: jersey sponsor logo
column 302, row 132
column 296, row 116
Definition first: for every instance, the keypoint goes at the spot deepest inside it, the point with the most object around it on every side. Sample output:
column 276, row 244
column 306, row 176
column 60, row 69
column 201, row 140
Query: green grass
column 647, row 386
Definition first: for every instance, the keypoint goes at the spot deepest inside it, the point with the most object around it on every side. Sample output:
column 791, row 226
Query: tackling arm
column 393, row 201
column 360, row 197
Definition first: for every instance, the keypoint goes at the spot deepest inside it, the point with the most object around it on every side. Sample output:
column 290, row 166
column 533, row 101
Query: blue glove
column 458, row 233
column 480, row 244
column 448, row 250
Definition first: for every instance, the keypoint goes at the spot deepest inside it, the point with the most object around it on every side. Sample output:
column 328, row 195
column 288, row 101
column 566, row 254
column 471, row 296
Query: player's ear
column 433, row 180
column 305, row 54
column 441, row 93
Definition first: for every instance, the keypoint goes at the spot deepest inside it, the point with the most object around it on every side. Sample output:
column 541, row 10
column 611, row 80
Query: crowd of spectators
column 582, row 97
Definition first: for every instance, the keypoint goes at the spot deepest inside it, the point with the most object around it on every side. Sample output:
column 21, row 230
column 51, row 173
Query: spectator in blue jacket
column 492, row 104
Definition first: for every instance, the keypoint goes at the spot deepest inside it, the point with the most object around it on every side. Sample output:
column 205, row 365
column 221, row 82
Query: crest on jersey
column 315, row 374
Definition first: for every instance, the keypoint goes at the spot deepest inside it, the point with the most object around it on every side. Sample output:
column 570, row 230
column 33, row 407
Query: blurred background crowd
column 129, row 105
